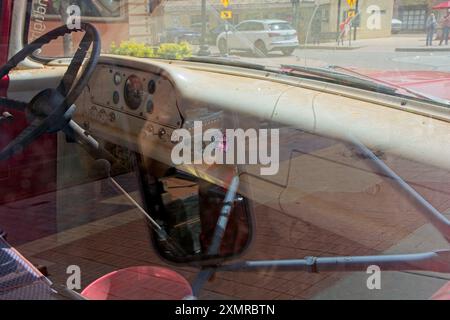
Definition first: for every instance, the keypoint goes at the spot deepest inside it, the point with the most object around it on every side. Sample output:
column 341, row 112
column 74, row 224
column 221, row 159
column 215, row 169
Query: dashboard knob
column 161, row 133
column 102, row 116
column 93, row 113
column 117, row 78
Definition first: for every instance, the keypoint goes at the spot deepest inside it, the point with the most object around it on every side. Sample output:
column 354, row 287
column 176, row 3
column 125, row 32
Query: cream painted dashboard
column 186, row 92
column 405, row 131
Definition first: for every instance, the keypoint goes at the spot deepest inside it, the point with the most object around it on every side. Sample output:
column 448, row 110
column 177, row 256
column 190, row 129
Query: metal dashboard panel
column 158, row 105
column 103, row 111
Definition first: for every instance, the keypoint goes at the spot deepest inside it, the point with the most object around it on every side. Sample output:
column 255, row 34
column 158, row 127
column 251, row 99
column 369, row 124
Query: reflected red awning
column 443, row 5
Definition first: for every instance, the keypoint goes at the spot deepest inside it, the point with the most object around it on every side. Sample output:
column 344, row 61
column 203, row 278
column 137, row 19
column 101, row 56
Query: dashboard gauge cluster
column 136, row 93
column 132, row 107
column 133, row 92
column 140, row 109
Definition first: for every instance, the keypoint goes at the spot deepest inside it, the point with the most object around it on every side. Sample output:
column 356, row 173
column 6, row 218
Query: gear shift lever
column 104, row 168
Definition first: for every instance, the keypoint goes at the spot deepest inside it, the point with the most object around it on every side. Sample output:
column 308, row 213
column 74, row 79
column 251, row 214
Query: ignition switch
column 161, row 133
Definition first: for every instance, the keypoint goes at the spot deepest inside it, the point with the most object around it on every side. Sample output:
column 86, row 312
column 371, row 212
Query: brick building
column 413, row 13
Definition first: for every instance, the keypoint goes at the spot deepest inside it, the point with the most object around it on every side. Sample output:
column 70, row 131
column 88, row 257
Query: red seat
column 139, row 283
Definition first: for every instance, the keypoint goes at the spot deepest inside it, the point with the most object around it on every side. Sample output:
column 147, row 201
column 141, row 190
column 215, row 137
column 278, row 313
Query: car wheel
column 287, row 51
column 260, row 48
column 222, row 46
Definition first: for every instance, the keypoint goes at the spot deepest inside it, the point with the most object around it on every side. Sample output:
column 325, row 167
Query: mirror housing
column 187, row 209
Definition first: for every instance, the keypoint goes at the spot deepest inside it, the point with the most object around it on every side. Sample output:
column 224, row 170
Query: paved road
column 373, row 54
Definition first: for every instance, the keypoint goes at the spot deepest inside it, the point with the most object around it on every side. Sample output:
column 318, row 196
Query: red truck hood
column 431, row 83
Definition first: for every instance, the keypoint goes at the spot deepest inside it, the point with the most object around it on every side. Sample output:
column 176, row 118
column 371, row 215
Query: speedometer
column 134, row 92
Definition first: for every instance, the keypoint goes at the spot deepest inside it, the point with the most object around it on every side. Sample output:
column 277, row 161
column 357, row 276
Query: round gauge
column 117, row 78
column 134, row 92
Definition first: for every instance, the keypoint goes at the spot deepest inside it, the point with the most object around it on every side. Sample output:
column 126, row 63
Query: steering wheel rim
column 59, row 111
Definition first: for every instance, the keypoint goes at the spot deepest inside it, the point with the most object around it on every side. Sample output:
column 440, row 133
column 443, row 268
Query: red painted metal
column 6, row 7
column 4, row 85
column 33, row 171
column 443, row 293
column 139, row 283
column 433, row 83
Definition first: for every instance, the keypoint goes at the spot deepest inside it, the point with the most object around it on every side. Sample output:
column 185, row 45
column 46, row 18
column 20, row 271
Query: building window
column 94, row 9
column 413, row 18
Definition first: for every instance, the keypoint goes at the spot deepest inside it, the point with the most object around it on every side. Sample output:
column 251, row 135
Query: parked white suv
column 260, row 37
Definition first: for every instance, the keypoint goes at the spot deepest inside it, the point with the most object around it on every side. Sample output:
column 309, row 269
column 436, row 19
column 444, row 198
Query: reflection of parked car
column 260, row 37
column 197, row 27
column 396, row 25
column 177, row 35
column 215, row 32
column 211, row 33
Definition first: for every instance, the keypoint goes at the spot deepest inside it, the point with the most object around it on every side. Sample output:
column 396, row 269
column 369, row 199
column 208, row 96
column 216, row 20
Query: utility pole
column 296, row 13
column 67, row 41
column 339, row 15
column 357, row 19
column 226, row 14
column 204, row 50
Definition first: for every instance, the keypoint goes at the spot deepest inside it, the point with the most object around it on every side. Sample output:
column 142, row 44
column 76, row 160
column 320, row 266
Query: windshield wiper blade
column 226, row 62
column 339, row 78
column 419, row 94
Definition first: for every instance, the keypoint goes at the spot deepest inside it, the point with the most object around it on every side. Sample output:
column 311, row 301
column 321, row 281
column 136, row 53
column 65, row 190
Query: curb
column 329, row 48
column 437, row 49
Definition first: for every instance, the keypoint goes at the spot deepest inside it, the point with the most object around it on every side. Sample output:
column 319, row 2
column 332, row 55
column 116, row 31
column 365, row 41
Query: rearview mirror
column 187, row 209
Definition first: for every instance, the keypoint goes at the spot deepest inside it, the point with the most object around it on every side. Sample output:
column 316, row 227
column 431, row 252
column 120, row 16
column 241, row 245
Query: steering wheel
column 51, row 110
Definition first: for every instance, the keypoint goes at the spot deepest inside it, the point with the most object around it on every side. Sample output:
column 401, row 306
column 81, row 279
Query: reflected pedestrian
column 340, row 39
column 431, row 26
column 316, row 29
column 445, row 23
column 344, row 30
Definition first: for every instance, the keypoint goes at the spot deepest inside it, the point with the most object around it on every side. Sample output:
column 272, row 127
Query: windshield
column 254, row 149
column 390, row 42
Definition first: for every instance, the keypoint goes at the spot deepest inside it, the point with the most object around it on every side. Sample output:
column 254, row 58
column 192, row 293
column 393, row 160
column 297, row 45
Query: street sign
column 351, row 3
column 225, row 3
column 226, row 15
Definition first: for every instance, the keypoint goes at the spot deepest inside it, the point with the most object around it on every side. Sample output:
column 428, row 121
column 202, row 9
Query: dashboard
column 118, row 94
column 138, row 107
column 138, row 103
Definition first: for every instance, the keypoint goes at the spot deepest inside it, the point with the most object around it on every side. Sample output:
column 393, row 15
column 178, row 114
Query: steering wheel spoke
column 72, row 71
column 13, row 104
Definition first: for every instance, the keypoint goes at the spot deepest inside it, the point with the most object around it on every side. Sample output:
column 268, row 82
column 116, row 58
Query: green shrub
column 141, row 50
column 174, row 51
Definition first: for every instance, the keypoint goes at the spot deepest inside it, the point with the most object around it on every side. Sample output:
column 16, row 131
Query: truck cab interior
column 185, row 173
